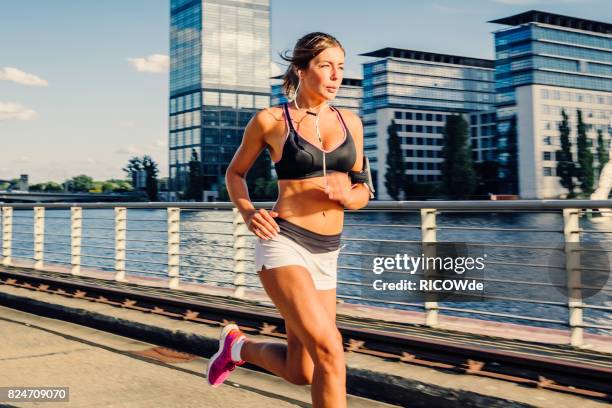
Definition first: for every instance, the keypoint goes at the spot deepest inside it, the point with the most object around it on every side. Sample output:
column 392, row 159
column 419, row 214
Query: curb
column 365, row 383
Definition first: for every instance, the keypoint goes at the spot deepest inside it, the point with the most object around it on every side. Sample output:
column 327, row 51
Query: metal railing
column 234, row 245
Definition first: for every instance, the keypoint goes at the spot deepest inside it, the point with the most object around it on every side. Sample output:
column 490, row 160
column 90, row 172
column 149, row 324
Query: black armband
column 363, row 177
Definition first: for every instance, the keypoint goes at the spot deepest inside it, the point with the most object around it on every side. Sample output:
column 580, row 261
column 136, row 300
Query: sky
column 84, row 83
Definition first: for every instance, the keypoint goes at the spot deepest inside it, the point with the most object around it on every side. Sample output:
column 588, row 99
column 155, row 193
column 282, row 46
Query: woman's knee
column 329, row 352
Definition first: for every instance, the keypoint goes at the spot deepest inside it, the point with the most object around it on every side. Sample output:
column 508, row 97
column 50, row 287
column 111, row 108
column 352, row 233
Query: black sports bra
column 301, row 159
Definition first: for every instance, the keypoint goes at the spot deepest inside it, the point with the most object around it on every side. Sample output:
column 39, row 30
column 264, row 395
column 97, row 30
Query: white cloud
column 442, row 8
column 12, row 110
column 129, row 150
column 527, row 2
column 156, row 63
column 20, row 77
column 127, row 124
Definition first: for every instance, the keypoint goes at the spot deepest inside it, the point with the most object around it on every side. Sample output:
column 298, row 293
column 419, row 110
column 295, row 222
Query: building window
column 548, row 171
column 398, row 115
column 439, row 118
column 419, row 116
column 211, row 98
column 419, row 128
column 210, row 118
column 473, row 120
column 429, row 117
column 410, row 140
column 408, row 115
column 228, row 99
column 409, row 128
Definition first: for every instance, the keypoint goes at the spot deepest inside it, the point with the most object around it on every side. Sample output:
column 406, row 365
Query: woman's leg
column 290, row 361
column 312, row 337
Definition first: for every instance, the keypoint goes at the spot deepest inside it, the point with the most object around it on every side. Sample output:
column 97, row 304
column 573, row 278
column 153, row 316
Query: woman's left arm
column 359, row 194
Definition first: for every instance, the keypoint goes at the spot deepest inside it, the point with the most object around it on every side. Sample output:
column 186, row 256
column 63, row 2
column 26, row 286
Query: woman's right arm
column 261, row 222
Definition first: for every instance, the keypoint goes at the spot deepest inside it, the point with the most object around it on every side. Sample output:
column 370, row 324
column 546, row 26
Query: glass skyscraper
column 418, row 90
column 219, row 77
column 546, row 63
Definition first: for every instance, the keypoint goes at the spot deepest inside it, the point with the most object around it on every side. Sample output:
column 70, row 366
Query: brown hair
column 306, row 48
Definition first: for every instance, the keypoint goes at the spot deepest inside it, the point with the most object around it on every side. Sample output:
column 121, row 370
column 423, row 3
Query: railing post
column 571, row 233
column 7, row 235
column 174, row 246
column 39, row 237
column 428, row 239
column 76, row 234
column 240, row 256
column 120, row 243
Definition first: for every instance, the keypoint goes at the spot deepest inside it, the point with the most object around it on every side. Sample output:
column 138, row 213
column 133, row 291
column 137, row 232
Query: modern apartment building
column 546, row 63
column 418, row 90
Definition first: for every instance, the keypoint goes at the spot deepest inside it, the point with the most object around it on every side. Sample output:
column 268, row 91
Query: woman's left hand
column 338, row 187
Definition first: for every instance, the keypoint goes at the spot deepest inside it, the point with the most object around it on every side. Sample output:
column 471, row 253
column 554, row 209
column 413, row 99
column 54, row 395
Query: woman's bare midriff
column 305, row 203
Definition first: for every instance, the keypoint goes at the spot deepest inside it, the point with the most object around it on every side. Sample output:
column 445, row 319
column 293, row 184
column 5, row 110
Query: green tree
column 487, row 177
column 395, row 177
column 566, row 168
column 81, row 183
column 195, row 182
column 602, row 152
column 118, row 186
column 53, row 187
column 507, row 158
column 37, row 187
column 151, row 169
column 258, row 176
column 132, row 168
column 149, row 166
column 223, row 194
column 458, row 175
column 585, row 157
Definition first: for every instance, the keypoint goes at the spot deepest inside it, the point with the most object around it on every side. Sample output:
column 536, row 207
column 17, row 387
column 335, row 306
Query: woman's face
column 325, row 72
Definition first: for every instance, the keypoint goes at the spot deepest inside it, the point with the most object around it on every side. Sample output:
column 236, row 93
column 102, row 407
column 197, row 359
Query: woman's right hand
column 261, row 223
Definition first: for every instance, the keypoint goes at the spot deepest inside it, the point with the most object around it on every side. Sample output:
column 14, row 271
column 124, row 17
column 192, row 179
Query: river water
column 522, row 266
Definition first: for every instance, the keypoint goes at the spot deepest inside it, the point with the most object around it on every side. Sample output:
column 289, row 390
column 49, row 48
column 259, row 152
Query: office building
column 219, row 77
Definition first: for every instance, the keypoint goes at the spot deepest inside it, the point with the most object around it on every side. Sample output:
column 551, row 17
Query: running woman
column 317, row 152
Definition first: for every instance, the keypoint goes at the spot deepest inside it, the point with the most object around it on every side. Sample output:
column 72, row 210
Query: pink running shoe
column 221, row 365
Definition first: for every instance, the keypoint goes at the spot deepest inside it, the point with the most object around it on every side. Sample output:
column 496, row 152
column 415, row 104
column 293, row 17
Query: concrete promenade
column 107, row 370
